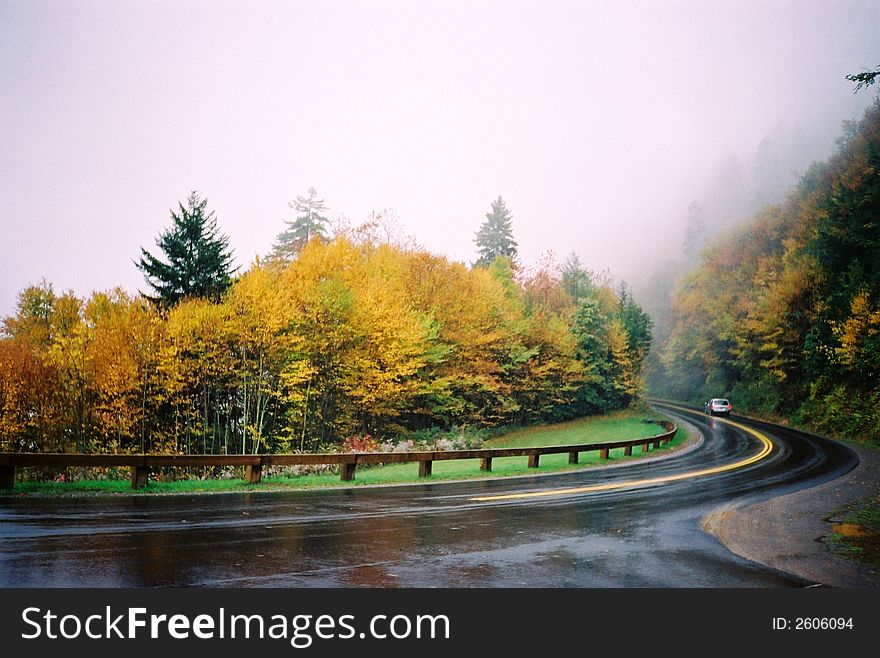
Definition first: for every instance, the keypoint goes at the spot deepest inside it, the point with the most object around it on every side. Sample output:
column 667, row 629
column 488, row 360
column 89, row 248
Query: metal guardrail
column 348, row 462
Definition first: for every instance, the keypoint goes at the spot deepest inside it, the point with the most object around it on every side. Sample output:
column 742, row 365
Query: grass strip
column 619, row 426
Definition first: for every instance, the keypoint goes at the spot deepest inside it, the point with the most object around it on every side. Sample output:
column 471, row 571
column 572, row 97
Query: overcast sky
column 592, row 119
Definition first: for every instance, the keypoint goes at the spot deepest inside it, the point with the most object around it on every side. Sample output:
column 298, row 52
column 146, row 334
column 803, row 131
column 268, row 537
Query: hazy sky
column 592, row 119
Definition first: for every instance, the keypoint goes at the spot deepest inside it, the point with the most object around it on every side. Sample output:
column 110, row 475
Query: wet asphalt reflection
column 424, row 535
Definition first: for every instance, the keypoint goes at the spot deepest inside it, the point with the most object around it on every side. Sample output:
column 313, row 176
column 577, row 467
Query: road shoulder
column 787, row 532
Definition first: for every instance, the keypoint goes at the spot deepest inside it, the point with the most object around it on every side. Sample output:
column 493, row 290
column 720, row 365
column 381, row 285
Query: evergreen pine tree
column 197, row 260
column 637, row 324
column 577, row 281
column 590, row 329
column 495, row 237
column 308, row 223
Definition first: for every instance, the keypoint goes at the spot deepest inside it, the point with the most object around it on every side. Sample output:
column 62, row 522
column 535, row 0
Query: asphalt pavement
column 645, row 533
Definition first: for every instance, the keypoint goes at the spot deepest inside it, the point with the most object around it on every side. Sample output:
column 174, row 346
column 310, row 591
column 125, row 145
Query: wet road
column 426, row 535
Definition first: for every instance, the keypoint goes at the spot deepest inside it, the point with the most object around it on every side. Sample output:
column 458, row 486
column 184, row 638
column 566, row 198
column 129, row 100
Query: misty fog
column 607, row 127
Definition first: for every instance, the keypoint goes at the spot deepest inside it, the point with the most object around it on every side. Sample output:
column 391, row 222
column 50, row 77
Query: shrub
column 359, row 443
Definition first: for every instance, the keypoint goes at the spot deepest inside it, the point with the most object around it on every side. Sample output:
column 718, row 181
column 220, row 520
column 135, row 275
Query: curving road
column 643, row 534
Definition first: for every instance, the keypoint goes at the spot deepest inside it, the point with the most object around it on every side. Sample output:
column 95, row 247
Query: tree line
column 783, row 316
column 328, row 337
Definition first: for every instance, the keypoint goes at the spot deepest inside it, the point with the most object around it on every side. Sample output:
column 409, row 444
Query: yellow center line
column 767, row 447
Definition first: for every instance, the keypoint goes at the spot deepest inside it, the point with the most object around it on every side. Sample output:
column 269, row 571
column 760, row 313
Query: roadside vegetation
column 857, row 533
column 335, row 338
column 618, row 426
column 783, row 316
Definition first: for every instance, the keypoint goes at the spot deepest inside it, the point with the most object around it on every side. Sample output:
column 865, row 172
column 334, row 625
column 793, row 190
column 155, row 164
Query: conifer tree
column 577, row 281
column 495, row 237
column 309, row 222
column 197, row 259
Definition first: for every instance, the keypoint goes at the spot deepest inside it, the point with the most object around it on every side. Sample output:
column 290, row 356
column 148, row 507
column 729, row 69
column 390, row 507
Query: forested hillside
column 783, row 316
column 346, row 338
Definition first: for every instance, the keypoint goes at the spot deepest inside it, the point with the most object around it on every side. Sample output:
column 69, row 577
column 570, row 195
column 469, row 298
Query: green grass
column 857, row 536
column 124, row 487
column 599, row 429
column 618, row 426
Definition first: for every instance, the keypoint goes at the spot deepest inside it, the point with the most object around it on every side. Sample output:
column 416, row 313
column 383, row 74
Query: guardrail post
column 573, row 457
column 485, row 463
column 346, row 471
column 253, row 473
column 656, row 444
column 603, row 453
column 645, row 447
column 425, row 466
column 628, row 451
column 533, row 460
column 7, row 477
column 139, row 476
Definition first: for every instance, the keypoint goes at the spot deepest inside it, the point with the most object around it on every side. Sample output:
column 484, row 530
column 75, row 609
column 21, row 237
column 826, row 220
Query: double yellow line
column 766, row 449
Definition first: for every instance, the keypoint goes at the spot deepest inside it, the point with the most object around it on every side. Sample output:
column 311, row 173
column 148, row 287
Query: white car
column 718, row 407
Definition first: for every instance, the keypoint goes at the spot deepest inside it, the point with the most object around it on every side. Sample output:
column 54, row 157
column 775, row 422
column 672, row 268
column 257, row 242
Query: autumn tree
column 255, row 344
column 111, row 359
column 32, row 320
column 197, row 259
column 542, row 366
column 27, row 392
column 495, row 236
column 29, row 387
column 350, row 337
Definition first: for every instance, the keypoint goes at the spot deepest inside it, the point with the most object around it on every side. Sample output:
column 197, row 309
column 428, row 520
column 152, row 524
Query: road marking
column 767, row 448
